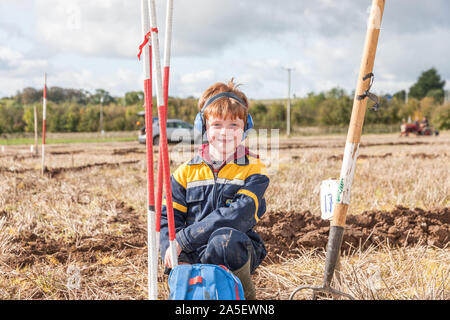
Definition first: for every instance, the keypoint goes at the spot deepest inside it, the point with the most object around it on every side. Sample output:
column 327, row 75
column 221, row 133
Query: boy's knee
column 229, row 247
column 229, row 239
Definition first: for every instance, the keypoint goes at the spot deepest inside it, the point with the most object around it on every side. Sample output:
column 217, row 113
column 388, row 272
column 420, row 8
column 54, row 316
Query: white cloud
column 107, row 28
column 18, row 71
column 93, row 44
column 194, row 83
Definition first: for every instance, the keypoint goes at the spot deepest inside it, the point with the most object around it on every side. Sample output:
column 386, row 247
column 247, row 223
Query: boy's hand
column 168, row 257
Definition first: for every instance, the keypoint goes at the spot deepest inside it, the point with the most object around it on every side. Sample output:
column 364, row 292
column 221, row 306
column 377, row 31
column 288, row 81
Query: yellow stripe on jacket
column 255, row 199
column 176, row 205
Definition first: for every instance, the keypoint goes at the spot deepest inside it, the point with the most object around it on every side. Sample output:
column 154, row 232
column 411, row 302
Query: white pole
column 288, row 120
column 35, row 130
column 168, row 37
column 151, row 234
column 167, row 52
column 289, row 104
column 162, row 125
column 44, row 115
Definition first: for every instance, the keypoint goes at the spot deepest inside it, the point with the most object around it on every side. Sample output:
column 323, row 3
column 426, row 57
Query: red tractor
column 417, row 128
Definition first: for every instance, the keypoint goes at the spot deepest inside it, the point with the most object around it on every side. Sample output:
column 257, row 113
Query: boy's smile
column 224, row 135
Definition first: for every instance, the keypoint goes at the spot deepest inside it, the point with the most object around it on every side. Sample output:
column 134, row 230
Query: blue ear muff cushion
column 199, row 128
column 249, row 123
column 248, row 126
column 198, row 122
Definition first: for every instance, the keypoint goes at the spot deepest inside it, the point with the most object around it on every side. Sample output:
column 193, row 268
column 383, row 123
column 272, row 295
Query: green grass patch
column 29, row 141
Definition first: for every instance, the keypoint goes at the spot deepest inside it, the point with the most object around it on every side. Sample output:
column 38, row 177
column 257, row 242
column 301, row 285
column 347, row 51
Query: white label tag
column 328, row 194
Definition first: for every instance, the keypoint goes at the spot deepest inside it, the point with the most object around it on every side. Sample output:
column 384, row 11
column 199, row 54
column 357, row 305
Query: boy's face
column 224, row 134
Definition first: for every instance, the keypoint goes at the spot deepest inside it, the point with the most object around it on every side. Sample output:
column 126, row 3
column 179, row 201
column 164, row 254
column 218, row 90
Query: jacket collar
column 240, row 156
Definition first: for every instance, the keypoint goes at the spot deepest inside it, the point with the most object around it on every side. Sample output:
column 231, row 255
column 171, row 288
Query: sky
column 86, row 44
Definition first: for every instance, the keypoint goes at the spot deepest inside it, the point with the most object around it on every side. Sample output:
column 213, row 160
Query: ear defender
column 200, row 123
column 248, row 126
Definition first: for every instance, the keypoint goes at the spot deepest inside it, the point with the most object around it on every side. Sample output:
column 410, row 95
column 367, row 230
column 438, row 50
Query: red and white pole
column 163, row 132
column 167, row 51
column 44, row 115
column 151, row 234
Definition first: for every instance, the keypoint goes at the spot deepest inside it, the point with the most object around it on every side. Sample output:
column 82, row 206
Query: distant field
column 123, row 136
column 69, row 137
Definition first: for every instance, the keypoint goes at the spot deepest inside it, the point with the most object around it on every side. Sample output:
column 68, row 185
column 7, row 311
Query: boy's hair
column 225, row 107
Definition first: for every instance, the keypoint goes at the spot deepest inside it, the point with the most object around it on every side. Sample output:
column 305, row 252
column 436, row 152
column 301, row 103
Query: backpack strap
column 180, row 279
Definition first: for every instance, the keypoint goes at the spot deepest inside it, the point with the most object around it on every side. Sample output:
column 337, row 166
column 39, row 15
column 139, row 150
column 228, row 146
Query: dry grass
column 85, row 204
column 380, row 273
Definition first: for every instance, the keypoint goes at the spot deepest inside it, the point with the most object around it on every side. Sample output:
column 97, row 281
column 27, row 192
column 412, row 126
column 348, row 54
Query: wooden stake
column 358, row 112
column 35, row 131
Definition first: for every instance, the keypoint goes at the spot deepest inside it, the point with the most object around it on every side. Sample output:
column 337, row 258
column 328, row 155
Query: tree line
column 71, row 110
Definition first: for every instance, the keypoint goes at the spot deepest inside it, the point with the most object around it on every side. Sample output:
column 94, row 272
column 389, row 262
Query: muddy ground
column 284, row 231
column 30, row 248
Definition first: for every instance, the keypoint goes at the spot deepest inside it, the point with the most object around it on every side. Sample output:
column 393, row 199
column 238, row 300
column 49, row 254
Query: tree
column 401, row 95
column 134, row 97
column 441, row 117
column 97, row 97
column 28, row 119
column 30, row 95
column 408, row 109
column 56, row 94
column 258, row 112
column 335, row 93
column 428, row 82
column 72, row 118
column 437, row 95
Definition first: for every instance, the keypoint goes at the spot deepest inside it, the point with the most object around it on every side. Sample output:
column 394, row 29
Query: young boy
column 218, row 196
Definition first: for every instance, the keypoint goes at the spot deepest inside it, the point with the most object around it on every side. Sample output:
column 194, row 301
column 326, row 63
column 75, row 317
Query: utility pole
column 102, row 98
column 288, row 125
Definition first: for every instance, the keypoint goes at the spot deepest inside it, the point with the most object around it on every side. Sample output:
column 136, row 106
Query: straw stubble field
column 86, row 220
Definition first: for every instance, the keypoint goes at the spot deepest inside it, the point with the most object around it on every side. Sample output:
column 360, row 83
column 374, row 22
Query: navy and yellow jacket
column 204, row 201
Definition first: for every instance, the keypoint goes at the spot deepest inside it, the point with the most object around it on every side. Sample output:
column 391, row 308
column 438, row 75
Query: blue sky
column 93, row 44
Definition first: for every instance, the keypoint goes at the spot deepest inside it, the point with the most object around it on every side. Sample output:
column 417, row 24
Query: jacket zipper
column 214, row 187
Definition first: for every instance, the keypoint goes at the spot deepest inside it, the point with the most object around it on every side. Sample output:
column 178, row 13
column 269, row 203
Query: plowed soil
column 282, row 232
column 30, row 248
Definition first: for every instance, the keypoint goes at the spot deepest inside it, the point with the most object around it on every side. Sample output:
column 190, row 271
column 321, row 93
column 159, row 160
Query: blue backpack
column 204, row 282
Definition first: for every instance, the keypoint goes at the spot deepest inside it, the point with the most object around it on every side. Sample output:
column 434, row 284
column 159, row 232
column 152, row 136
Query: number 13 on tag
column 328, row 194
